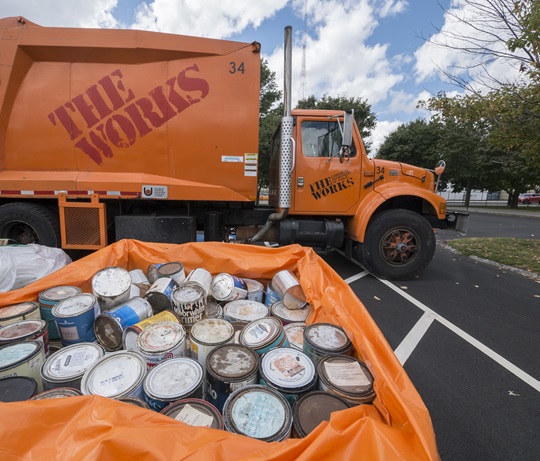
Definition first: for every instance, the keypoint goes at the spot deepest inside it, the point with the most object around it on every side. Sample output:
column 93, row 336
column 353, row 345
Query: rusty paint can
column 58, row 393
column 111, row 286
column 255, row 290
column 346, row 377
column 160, row 293
column 264, row 334
column 322, row 339
column 48, row 299
column 195, row 412
column 288, row 288
column 23, row 358
column 173, row 270
column 17, row 389
column 189, row 301
column 244, row 310
column 287, row 315
column 202, row 277
column 227, row 287
column 162, row 341
column 109, row 326
column 295, row 334
column 131, row 333
column 17, row 312
column 75, row 318
column 26, row 330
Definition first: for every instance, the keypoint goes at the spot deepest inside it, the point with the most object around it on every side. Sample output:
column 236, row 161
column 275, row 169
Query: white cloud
column 381, row 131
column 392, row 7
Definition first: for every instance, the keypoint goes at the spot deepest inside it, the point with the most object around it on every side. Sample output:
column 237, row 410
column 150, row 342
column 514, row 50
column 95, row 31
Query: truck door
column 321, row 183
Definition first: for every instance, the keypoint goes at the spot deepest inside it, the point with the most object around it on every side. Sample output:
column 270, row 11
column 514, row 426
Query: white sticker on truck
column 232, row 158
column 250, row 164
column 155, row 192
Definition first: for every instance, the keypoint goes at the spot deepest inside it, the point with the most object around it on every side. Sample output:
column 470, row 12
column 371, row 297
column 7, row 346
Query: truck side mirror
column 347, row 129
column 439, row 168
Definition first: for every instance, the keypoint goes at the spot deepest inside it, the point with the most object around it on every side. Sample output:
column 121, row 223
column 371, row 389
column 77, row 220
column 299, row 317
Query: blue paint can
column 75, row 318
column 271, row 296
column 48, row 299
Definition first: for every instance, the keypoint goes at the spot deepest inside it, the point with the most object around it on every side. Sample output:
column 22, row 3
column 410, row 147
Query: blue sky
column 371, row 49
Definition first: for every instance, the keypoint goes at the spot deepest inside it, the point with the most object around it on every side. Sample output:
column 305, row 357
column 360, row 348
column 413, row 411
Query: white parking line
column 409, row 343
column 356, row 277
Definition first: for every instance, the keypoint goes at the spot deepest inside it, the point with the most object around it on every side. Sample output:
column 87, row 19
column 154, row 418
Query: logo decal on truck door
column 115, row 117
column 331, row 184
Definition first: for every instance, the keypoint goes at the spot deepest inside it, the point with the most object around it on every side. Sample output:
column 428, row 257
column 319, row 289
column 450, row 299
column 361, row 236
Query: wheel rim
column 20, row 232
column 399, row 246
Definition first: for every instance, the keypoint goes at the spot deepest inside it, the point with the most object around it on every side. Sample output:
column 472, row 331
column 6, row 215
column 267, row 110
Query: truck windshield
column 322, row 139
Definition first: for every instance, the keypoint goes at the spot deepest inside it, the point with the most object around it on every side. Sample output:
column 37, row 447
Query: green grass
column 520, row 253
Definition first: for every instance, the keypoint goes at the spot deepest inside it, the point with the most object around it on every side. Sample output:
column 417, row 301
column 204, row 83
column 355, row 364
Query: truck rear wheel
column 398, row 245
column 26, row 223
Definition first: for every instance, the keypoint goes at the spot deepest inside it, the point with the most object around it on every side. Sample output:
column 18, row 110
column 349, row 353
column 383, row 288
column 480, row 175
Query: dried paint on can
column 322, row 339
column 159, row 294
column 111, row 286
column 58, row 393
column 287, row 315
column 295, row 334
column 206, row 335
column 244, row 310
column 23, row 358
column 75, row 318
column 134, row 401
column 17, row 312
column 173, row 380
column 228, row 368
column 202, row 277
column 255, row 290
column 66, row 367
column 117, row 374
column 151, row 272
column 109, row 326
column 264, row 334
column 17, row 389
column 162, row 341
column 48, row 299
column 271, row 296
column 131, row 333
column 195, row 412
column 258, row 412
column 189, row 303
column 138, row 276
column 173, row 270
column 314, row 408
column 289, row 290
column 213, row 310
column 227, row 287
column 346, row 377
column 26, row 330
column 288, row 371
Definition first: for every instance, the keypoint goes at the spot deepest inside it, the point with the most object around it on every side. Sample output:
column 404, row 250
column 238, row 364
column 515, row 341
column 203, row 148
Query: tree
column 364, row 117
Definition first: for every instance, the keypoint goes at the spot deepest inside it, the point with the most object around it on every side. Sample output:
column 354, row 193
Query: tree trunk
column 468, row 194
column 513, row 199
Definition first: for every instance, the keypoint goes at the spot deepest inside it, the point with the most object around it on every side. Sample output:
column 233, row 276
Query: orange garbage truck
column 113, row 134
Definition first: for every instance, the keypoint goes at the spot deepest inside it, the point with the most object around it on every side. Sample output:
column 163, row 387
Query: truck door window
column 322, row 139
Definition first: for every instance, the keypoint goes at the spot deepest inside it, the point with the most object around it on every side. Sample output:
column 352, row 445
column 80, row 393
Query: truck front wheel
column 26, row 223
column 398, row 245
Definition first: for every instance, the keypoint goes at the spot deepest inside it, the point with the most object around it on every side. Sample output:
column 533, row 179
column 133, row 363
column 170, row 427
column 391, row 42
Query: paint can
column 48, row 299
column 173, row 270
column 227, row 287
column 58, row 393
column 271, row 296
column 159, row 294
column 244, row 310
column 151, row 272
column 138, row 277
column 287, row 315
column 228, row 368
column 189, row 303
column 238, row 327
column 131, row 333
column 17, row 389
column 24, row 330
column 288, row 371
column 202, row 277
column 116, row 374
column 109, row 326
column 195, row 412
column 322, row 339
column 213, row 309
column 66, row 367
column 17, row 312
column 295, row 334
column 111, row 286
column 258, row 412
column 23, row 358
column 288, row 288
column 134, row 401
column 264, row 334
column 75, row 318
column 206, row 335
column 173, row 380
column 312, row 409
column 162, row 341
column 255, row 290
column 346, row 377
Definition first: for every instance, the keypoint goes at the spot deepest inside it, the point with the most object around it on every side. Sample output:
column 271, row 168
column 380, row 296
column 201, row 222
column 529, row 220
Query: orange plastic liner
column 396, row 426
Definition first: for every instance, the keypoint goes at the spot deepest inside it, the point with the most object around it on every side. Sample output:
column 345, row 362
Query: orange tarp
column 396, row 426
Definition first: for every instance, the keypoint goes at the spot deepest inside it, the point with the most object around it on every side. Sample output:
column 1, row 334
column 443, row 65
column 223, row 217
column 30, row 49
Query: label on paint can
column 201, row 277
column 159, row 294
column 162, row 341
column 189, row 302
column 75, row 318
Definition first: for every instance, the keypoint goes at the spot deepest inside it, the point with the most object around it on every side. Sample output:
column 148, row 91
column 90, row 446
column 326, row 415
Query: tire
column 26, row 223
column 398, row 245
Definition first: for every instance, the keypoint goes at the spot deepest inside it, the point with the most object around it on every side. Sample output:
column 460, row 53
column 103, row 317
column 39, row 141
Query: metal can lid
column 346, row 374
column 288, row 368
column 71, row 361
column 14, row 353
column 111, row 281
column 17, row 388
column 21, row 329
column 161, row 337
column 327, row 337
column 114, row 375
column 188, row 293
column 259, row 412
column 58, row 393
column 261, row 332
column 55, row 294
column 195, row 412
column 211, row 331
column 223, row 285
column 295, row 334
column 232, row 362
column 108, row 331
column 17, row 310
column 279, row 309
column 213, row 309
column 173, row 378
column 245, row 310
column 170, row 268
column 74, row 305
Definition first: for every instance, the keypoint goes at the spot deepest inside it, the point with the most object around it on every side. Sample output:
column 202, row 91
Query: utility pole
column 303, row 73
